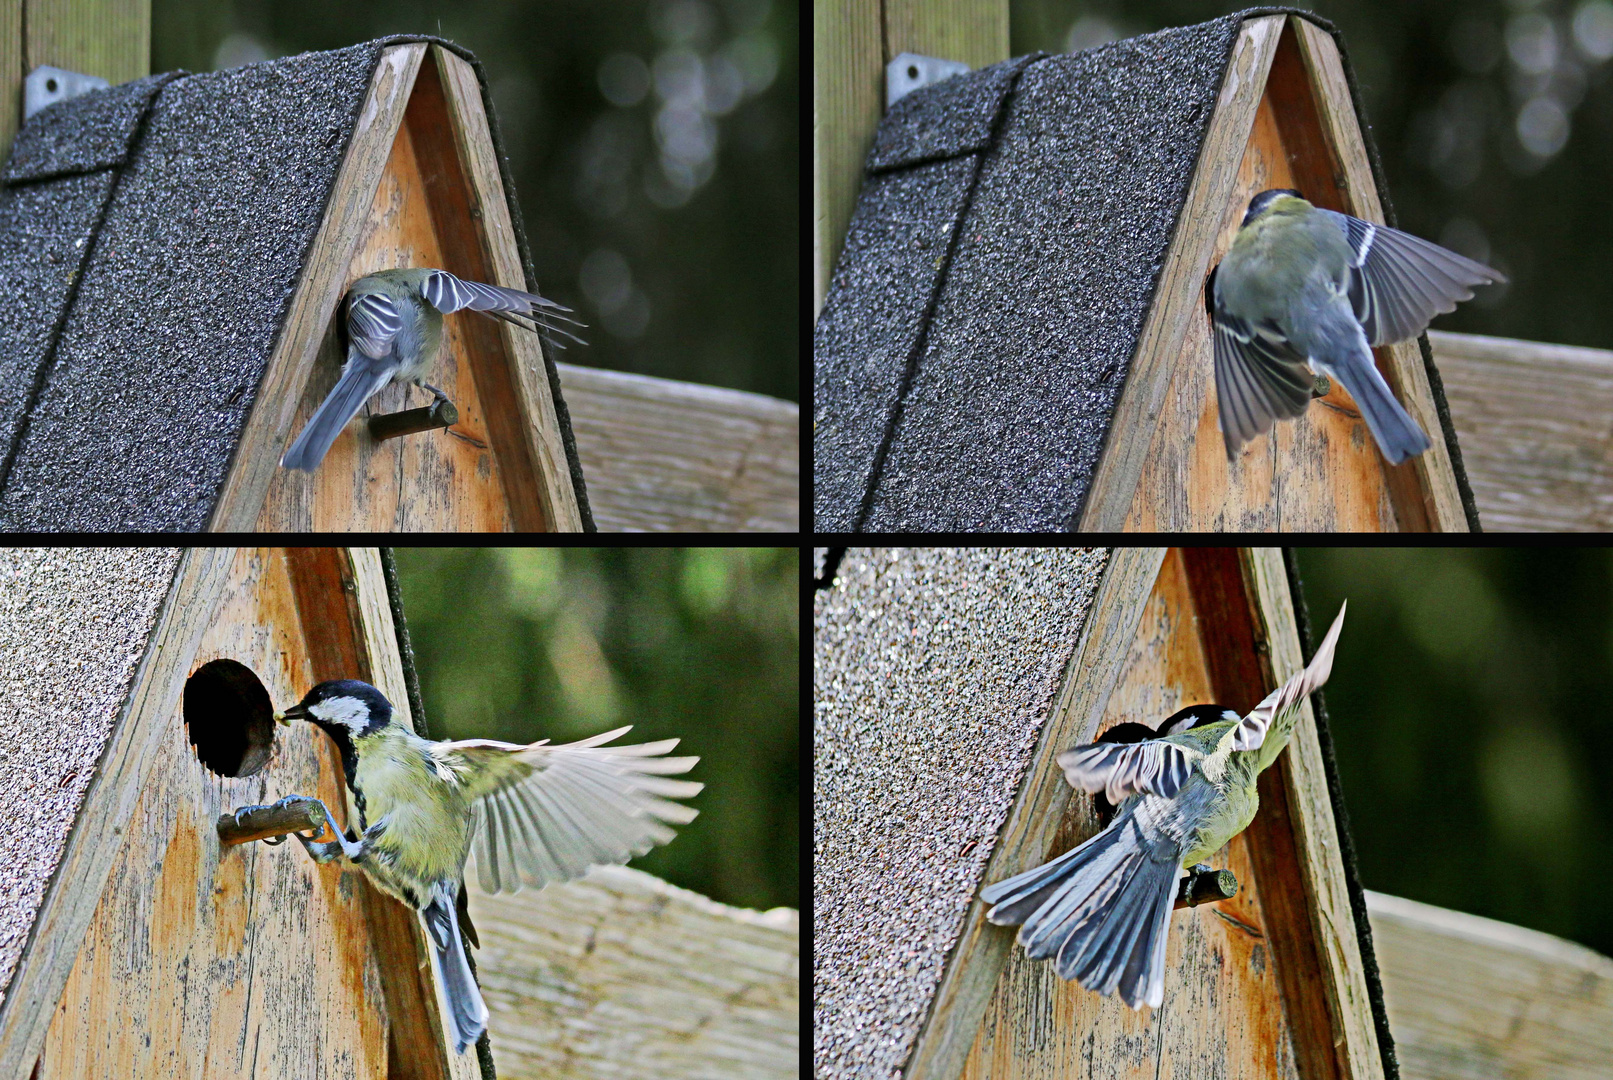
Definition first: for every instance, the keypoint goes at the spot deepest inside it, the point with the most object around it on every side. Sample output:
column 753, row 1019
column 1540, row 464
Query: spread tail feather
column 1102, row 910
column 466, row 1012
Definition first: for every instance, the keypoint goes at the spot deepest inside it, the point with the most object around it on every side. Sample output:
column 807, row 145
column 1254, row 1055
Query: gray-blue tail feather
column 466, row 1011
column 361, row 378
column 1397, row 434
column 1101, row 910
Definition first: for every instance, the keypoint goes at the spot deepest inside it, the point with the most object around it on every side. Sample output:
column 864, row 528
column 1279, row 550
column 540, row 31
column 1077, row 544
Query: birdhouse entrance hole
column 229, row 718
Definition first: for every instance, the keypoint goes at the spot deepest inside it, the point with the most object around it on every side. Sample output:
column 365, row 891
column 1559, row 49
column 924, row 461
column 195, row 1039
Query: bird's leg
column 437, row 394
column 325, row 852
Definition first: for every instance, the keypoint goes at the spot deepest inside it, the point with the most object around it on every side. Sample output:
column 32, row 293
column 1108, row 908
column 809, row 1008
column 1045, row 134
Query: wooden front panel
column 1321, row 471
column 1234, row 981
column 248, row 961
column 449, row 480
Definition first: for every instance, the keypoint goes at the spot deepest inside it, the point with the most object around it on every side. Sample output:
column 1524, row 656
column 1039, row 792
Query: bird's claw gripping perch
column 293, row 814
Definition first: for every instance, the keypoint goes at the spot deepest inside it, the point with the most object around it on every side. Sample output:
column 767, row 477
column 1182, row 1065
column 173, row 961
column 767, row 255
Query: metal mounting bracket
column 48, row 85
column 910, row 71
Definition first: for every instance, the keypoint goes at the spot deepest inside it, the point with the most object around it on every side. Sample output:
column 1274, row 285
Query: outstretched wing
column 1121, row 770
column 1250, row 733
column 1399, row 282
column 448, row 294
column 543, row 813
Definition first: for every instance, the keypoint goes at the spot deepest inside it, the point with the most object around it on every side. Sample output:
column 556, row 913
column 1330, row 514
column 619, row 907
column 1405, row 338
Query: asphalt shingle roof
column 995, row 278
column 151, row 239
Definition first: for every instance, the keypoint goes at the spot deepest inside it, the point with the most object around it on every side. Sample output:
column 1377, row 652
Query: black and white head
column 1262, row 202
column 343, row 707
column 1197, row 716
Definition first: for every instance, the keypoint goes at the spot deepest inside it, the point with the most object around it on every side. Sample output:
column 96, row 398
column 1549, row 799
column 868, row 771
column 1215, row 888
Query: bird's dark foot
column 438, row 395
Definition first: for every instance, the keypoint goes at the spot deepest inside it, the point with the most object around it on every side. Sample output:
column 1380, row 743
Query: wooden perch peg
column 295, row 813
column 1205, row 886
column 439, row 414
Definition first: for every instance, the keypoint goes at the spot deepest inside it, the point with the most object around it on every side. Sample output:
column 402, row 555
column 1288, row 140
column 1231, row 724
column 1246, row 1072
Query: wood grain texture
column 853, row 40
column 1223, row 1013
column 664, row 456
column 848, row 98
column 1140, row 416
column 11, row 71
column 1536, row 425
column 1321, row 471
column 621, row 975
column 966, row 987
column 1309, row 807
column 1472, row 998
column 109, row 38
column 1401, row 364
column 108, row 807
column 244, row 495
column 522, row 416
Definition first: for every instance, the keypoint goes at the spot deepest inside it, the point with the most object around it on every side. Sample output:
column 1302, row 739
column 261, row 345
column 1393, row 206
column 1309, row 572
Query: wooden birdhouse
column 178, row 248
column 946, row 683
column 136, row 943
column 1015, row 336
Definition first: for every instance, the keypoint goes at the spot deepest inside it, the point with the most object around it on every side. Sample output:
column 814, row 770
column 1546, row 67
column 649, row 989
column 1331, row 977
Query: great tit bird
column 1303, row 287
column 534, row 815
column 1102, row 910
column 394, row 332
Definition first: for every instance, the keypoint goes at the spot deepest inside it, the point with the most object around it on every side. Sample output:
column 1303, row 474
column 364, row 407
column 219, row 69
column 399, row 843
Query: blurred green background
column 1494, row 119
column 699, row 644
column 1471, row 706
column 653, row 144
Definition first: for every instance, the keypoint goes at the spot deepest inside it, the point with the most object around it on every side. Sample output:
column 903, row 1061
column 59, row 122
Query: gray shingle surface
column 46, row 226
column 899, row 236
column 955, row 116
column 193, row 271
column 82, row 134
column 73, row 628
column 934, row 672
column 1044, row 299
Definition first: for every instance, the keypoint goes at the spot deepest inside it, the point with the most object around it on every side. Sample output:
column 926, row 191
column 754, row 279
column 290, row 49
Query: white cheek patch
column 350, row 712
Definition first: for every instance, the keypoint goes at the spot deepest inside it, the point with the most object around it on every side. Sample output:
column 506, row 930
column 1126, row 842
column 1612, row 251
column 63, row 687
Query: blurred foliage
column 653, row 144
column 1494, row 120
column 1469, row 706
column 698, row 644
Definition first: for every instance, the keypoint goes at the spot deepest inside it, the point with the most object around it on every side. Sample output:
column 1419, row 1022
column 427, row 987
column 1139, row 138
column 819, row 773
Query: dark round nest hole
column 229, row 717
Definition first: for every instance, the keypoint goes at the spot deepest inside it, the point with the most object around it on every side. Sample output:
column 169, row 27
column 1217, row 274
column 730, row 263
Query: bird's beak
column 296, row 712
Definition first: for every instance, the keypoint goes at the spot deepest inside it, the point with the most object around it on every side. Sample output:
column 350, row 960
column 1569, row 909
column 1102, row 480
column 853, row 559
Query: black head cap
column 1258, row 204
column 355, row 707
column 1197, row 716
